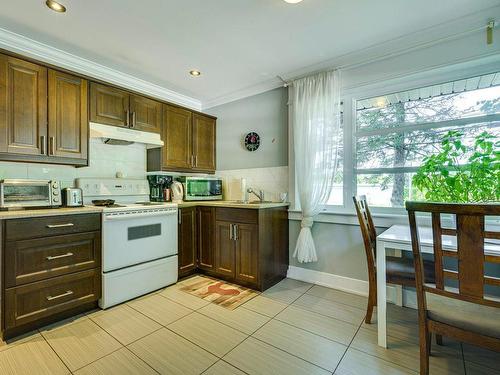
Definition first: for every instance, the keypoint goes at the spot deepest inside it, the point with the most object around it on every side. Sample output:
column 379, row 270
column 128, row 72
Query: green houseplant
column 462, row 173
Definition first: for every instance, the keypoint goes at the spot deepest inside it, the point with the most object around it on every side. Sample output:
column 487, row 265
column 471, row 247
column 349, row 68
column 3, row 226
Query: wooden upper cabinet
column 145, row 114
column 203, row 143
column 177, row 135
column 68, row 121
column 109, row 106
column 23, row 107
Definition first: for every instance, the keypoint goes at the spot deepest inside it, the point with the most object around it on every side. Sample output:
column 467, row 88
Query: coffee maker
column 159, row 188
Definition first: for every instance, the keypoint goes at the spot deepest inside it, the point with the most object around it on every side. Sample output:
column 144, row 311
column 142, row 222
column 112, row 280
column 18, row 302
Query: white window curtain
column 316, row 139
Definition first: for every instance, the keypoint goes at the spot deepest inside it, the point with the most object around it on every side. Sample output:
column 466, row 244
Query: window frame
column 350, row 97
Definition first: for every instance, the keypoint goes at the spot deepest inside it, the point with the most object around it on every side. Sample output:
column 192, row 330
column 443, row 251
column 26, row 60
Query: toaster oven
column 18, row 194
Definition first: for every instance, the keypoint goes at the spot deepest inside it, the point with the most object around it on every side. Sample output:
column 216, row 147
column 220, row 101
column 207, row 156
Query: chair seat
column 402, row 271
column 465, row 315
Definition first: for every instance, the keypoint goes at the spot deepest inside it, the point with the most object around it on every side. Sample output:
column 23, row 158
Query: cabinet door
column 224, row 249
column 204, row 143
column 187, row 240
column 206, row 240
column 177, row 151
column 247, row 251
column 23, row 107
column 68, row 121
column 109, row 106
column 145, row 114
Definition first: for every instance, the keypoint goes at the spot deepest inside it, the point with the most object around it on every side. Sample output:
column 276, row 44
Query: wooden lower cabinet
column 244, row 246
column 246, row 252
column 206, row 237
column 187, row 241
column 49, row 273
column 224, row 249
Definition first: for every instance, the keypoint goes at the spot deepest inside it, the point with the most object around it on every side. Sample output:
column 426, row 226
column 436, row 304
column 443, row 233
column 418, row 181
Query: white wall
column 104, row 161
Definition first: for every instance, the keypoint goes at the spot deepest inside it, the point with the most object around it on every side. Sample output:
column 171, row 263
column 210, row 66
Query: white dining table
column 398, row 238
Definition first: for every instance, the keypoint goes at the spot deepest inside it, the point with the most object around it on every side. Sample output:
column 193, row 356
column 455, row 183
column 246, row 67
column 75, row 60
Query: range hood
column 115, row 135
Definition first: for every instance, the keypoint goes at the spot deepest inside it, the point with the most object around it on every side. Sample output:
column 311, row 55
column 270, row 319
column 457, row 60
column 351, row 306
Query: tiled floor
column 293, row 328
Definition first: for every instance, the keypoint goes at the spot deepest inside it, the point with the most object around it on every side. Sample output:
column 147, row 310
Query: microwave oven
column 19, row 193
column 201, row 188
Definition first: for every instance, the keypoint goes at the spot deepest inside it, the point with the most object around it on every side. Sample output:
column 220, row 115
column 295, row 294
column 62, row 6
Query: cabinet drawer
column 41, row 258
column 237, row 215
column 28, row 303
column 20, row 229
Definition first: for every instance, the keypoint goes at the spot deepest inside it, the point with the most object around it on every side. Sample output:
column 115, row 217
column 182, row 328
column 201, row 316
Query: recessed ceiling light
column 55, row 6
column 292, row 1
column 195, row 73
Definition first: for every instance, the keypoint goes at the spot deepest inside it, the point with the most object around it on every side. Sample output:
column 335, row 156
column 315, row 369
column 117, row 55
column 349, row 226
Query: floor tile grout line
column 306, row 309
column 311, row 332
column 142, row 360
column 293, row 355
column 463, row 358
column 227, row 325
column 163, row 325
column 348, row 347
column 57, row 354
column 267, row 316
column 113, row 337
column 199, row 346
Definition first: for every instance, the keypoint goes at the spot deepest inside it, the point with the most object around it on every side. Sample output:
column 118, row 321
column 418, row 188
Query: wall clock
column 252, row 141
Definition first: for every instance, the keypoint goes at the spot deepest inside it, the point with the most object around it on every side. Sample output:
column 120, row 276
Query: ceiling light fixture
column 55, row 6
column 195, row 73
column 292, row 1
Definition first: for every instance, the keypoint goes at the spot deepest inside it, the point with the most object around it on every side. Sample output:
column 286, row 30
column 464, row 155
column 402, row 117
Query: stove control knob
column 55, row 199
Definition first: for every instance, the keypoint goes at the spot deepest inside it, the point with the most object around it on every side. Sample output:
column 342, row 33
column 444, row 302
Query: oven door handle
column 111, row 217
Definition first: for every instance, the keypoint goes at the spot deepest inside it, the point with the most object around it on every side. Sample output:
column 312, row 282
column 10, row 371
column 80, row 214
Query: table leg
column 398, row 288
column 381, row 295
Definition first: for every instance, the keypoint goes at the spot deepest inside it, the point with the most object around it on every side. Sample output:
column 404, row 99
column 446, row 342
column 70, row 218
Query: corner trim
column 45, row 53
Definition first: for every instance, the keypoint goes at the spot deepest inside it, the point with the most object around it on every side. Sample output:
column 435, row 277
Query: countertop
column 18, row 214
column 232, row 204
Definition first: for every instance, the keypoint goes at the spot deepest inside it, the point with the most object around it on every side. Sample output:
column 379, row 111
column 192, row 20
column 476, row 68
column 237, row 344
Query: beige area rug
column 223, row 294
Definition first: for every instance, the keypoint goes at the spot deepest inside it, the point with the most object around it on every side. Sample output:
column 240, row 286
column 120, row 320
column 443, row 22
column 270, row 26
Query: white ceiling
column 237, row 44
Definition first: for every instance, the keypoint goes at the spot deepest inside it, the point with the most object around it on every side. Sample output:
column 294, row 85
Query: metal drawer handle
column 60, row 225
column 50, row 257
column 67, row 293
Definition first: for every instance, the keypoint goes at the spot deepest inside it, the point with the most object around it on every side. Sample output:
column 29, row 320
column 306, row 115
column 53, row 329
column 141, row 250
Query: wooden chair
column 465, row 313
column 399, row 271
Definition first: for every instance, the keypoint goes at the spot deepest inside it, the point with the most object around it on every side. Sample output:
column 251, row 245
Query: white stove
column 139, row 239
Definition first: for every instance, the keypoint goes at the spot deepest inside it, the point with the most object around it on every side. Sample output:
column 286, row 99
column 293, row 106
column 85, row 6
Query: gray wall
column 339, row 247
column 267, row 114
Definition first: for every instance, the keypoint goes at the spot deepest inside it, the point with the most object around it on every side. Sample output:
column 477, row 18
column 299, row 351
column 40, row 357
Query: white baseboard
column 329, row 280
column 347, row 284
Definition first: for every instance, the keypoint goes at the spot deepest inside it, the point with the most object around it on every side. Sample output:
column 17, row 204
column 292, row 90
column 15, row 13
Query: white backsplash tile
column 105, row 161
column 273, row 181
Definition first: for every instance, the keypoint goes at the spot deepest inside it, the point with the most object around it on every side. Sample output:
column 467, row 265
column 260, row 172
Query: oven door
column 131, row 238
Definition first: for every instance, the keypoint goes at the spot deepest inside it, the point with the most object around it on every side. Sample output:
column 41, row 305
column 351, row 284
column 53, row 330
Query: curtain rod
column 489, row 25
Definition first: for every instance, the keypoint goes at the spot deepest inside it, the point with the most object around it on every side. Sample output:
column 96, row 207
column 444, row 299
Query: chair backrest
column 367, row 228
column 470, row 235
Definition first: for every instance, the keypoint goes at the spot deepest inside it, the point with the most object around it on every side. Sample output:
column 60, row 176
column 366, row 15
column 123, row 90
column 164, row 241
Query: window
column 394, row 133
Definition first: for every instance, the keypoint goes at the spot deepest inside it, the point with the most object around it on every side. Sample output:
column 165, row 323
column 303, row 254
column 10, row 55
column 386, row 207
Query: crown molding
column 259, row 88
column 22, row 45
column 422, row 39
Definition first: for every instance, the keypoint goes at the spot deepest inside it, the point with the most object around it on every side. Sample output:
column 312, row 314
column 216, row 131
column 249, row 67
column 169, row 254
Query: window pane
column 398, row 110
column 388, row 189
column 410, row 148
